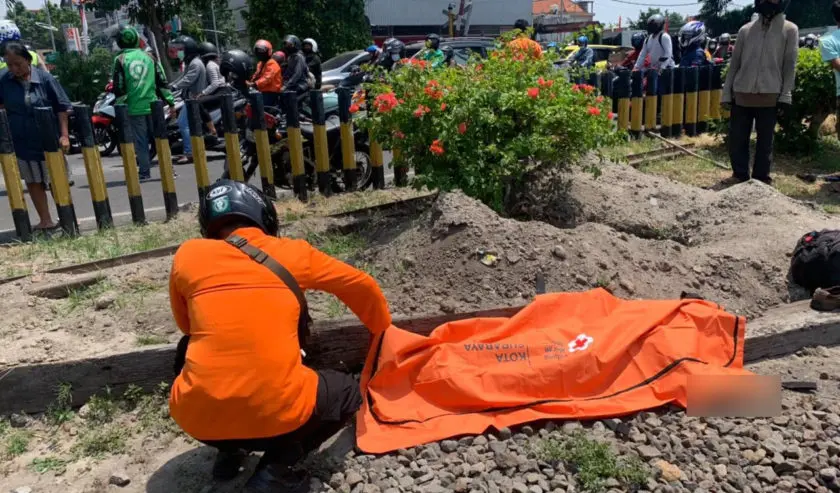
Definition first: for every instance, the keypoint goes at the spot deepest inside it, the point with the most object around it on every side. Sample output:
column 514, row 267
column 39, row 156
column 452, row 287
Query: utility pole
column 49, row 21
column 215, row 31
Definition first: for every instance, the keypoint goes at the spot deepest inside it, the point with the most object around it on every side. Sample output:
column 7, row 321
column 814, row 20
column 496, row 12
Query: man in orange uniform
column 243, row 385
column 268, row 78
column 524, row 44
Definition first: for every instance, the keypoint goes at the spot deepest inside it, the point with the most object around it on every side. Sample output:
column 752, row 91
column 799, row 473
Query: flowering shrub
column 482, row 127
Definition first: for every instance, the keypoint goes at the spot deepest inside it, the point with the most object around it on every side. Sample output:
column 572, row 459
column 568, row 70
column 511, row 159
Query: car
column 463, row 48
column 605, row 55
column 337, row 68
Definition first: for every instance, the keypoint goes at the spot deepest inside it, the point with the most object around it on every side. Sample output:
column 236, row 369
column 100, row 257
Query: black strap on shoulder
column 259, row 256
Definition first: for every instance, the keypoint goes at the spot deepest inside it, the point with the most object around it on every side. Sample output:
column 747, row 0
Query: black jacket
column 296, row 73
column 313, row 61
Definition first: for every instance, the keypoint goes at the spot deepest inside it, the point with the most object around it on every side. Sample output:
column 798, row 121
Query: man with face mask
column 296, row 75
column 433, row 54
column 191, row 84
column 268, row 78
column 759, row 82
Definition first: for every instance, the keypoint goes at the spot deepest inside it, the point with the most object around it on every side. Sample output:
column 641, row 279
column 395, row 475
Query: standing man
column 658, row 45
column 140, row 80
column 830, row 50
column 191, row 84
column 759, row 82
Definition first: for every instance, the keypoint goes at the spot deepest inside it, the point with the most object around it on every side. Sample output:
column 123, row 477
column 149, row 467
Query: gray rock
column 559, row 252
column 480, row 440
column 425, row 478
column 785, row 467
column 519, row 487
column 22, row 489
column 497, row 447
column 720, row 470
column 353, row 478
column 828, row 474
column 528, row 431
column 461, row 485
column 336, row 480
column 767, row 474
column 120, row 479
column 648, row 452
column 506, row 460
column 449, row 446
column 532, row 478
column 505, row 434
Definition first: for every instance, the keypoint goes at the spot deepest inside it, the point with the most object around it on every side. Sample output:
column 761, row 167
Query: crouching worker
column 243, row 385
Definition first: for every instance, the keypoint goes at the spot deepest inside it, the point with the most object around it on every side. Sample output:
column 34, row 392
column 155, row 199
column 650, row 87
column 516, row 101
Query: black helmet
column 230, row 201
column 189, row 44
column 434, row 39
column 521, row 24
column 292, row 44
column 236, row 62
column 127, row 38
column 394, row 47
column 655, row 24
column 207, row 50
column 638, row 40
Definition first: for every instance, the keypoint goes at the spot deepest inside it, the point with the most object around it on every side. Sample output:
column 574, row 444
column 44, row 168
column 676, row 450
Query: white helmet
column 313, row 43
column 9, row 31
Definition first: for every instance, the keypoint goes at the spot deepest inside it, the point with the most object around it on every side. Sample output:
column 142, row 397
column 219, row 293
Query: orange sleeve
column 354, row 288
column 177, row 302
column 270, row 76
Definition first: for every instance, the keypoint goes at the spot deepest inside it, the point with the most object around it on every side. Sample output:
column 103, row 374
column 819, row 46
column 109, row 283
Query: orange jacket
column 244, row 377
column 527, row 46
column 268, row 77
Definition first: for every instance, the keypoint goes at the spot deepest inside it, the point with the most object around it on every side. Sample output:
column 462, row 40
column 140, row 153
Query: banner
column 71, row 36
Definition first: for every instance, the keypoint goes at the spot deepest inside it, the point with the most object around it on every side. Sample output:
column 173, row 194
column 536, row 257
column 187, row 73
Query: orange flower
column 534, row 92
column 354, row 108
column 545, row 83
column 587, row 88
column 462, row 128
column 385, row 102
column 442, row 106
column 576, row 88
column 479, row 67
column 420, row 111
column 437, row 148
column 599, row 99
column 594, row 111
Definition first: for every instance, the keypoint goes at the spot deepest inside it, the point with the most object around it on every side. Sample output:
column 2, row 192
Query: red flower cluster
column 610, row 115
column 385, row 102
column 545, row 83
column 437, row 148
column 415, row 62
column 399, row 135
column 443, row 106
column 354, row 108
column 599, row 99
column 421, row 110
column 534, row 92
column 594, row 111
column 433, row 90
column 462, row 128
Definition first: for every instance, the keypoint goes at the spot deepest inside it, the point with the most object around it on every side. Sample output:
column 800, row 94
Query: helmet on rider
column 655, row 24
column 395, row 48
column 127, row 38
column 811, row 41
column 310, row 46
column 725, row 39
column 291, row 44
column 691, row 34
column 208, row 51
column 638, row 41
column 231, row 204
column 262, row 50
column 8, row 32
column 521, row 24
column 237, row 64
column 183, row 48
column 433, row 41
column 583, row 41
column 279, row 57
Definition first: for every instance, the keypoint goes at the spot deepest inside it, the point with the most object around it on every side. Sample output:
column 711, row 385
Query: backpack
column 816, row 260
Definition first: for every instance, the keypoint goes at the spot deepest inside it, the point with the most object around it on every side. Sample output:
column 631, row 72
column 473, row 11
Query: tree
column 337, row 25
column 39, row 37
column 674, row 19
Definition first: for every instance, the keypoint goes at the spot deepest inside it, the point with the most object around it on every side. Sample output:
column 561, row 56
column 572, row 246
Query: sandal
column 184, row 160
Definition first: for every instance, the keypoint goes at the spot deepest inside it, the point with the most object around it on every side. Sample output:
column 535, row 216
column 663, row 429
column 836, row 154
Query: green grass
column 60, row 411
column 101, row 441
column 150, row 340
column 593, row 462
column 338, row 245
column 85, row 297
column 151, row 408
column 16, row 443
column 43, row 465
column 335, row 308
column 102, row 409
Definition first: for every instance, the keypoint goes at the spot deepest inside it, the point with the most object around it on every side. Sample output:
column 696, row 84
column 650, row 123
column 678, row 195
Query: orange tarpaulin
column 567, row 355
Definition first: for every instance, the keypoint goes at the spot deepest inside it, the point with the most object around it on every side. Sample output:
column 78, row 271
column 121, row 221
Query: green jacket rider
column 433, row 54
column 138, row 80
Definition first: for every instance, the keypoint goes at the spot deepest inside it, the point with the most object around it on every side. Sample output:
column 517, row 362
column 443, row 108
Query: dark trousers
column 339, row 397
column 740, row 129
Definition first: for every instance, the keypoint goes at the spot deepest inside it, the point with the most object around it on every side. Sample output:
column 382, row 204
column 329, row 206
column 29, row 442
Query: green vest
column 34, row 60
column 138, row 80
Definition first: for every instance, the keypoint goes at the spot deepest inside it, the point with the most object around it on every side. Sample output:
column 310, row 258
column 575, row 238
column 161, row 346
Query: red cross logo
column 580, row 343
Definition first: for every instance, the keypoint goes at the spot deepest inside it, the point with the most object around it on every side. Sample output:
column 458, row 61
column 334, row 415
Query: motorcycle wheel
column 364, row 165
column 106, row 139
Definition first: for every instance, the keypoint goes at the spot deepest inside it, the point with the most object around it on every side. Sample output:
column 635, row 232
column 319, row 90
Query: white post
column 215, row 31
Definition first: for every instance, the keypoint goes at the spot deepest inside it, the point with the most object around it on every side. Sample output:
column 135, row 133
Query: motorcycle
column 104, row 130
column 211, row 143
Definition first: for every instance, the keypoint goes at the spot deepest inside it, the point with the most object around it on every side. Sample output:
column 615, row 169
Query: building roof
column 544, row 6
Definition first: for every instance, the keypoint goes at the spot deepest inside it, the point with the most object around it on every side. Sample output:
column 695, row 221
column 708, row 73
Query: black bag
column 816, row 260
column 259, row 256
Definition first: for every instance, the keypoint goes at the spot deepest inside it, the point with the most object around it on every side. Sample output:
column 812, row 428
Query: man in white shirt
column 658, row 45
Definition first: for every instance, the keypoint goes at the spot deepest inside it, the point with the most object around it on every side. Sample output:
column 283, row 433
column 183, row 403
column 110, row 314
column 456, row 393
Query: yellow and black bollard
column 651, row 100
column 232, row 149
column 319, row 134
column 679, row 103
column 636, row 104
column 258, row 126
column 377, row 161
column 692, row 80
column 93, row 167
column 59, row 183
column 164, row 154
column 716, row 93
column 290, row 105
column 400, row 168
column 622, row 93
column 129, row 158
column 703, row 98
column 202, row 177
column 11, row 175
column 348, row 143
column 666, row 88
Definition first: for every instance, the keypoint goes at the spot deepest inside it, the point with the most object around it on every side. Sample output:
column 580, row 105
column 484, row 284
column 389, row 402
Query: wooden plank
column 131, row 258
column 339, row 345
column 407, row 205
column 62, row 289
column 342, row 345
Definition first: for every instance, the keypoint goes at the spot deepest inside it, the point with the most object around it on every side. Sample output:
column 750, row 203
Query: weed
column 335, row 308
column 5, row 427
column 336, row 244
column 603, row 282
column 101, row 409
column 292, row 216
column 99, row 442
column 43, row 465
column 150, row 339
column 17, row 443
column 594, row 462
column 152, row 409
column 61, row 410
column 85, row 297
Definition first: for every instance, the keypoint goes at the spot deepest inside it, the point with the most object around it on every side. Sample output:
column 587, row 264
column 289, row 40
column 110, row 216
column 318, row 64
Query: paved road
column 185, row 184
